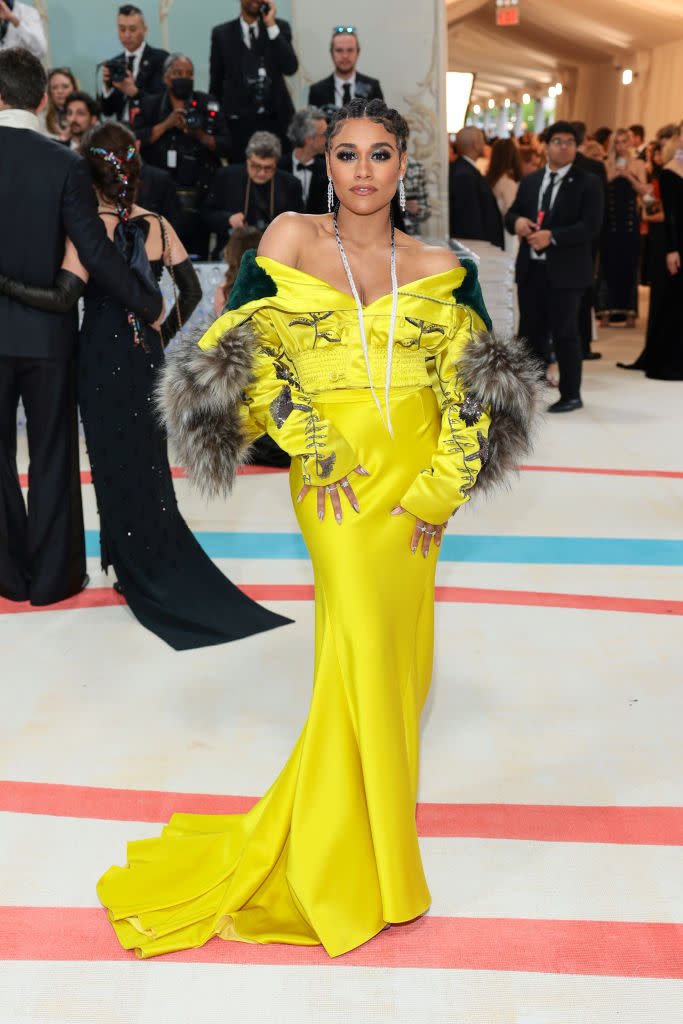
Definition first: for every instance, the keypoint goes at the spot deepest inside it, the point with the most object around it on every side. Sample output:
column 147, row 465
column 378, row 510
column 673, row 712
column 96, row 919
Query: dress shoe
column 566, row 405
column 632, row 366
column 593, row 355
column 118, row 587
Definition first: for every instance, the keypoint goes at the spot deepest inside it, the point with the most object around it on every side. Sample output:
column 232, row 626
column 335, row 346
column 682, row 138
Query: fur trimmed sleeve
column 488, row 390
column 216, row 400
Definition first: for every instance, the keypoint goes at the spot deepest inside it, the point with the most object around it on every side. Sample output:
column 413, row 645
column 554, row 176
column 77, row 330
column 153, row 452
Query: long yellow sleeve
column 277, row 405
column 462, row 449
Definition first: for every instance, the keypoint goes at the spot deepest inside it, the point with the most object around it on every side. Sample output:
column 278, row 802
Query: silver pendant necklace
column 361, row 320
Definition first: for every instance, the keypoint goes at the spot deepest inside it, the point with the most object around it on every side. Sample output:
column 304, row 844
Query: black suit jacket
column 474, row 211
column 46, row 194
column 227, row 82
column 574, row 221
column 149, row 81
column 321, row 94
column 201, row 161
column 316, row 201
column 227, row 195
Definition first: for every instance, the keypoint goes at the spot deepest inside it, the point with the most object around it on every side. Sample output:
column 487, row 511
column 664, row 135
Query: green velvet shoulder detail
column 252, row 282
column 469, row 292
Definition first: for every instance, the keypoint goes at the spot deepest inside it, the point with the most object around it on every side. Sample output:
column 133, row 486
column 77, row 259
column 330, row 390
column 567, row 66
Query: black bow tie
column 304, row 167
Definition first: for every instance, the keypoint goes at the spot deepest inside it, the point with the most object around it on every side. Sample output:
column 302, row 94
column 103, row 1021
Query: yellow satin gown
column 330, row 854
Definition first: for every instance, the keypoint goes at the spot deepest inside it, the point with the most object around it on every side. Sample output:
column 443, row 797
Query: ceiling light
column 626, row 76
column 507, row 103
column 492, row 104
column 526, row 98
column 552, row 92
column 476, row 109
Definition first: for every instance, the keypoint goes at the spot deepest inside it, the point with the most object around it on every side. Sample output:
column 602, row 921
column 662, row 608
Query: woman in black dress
column 664, row 354
column 170, row 584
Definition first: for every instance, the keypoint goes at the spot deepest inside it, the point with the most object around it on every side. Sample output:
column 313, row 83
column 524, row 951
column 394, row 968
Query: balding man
column 474, row 212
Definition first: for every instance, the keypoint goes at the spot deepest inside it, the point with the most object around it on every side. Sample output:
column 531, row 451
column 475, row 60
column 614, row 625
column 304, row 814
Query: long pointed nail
column 413, row 549
column 338, row 518
column 321, row 516
column 425, row 553
column 357, row 508
column 362, row 472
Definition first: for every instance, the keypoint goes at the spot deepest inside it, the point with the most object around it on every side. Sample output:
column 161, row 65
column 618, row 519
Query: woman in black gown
column 664, row 354
column 170, row 584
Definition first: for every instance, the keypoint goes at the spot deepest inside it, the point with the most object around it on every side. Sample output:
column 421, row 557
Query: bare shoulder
column 426, row 260
column 287, row 236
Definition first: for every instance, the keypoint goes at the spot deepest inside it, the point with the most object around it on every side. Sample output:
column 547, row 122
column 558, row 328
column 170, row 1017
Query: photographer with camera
column 249, row 58
column 20, row 25
column 251, row 194
column 184, row 132
column 134, row 74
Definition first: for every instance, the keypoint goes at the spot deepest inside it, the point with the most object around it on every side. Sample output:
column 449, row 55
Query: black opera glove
column 189, row 296
column 60, row 298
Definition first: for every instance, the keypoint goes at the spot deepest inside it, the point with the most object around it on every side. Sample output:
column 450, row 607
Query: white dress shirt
column 304, row 174
column 272, row 30
column 560, row 175
column 29, row 32
column 339, row 84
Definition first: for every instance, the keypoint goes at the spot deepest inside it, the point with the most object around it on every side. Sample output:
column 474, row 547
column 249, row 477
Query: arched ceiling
column 552, row 36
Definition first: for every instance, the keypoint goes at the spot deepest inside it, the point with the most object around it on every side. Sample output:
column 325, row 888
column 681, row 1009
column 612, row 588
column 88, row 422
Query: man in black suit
column 557, row 213
column 596, row 167
column 249, row 58
column 474, row 211
column 254, row 193
column 306, row 162
column 45, row 194
column 156, row 192
column 143, row 73
column 345, row 83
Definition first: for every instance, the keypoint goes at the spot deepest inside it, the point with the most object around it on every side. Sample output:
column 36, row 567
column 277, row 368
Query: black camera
column 198, row 119
column 118, row 68
column 264, row 8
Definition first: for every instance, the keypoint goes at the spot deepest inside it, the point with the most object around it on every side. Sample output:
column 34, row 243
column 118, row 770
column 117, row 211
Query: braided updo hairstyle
column 373, row 110
column 116, row 139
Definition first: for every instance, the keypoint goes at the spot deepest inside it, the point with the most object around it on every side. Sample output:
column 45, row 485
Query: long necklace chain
column 361, row 320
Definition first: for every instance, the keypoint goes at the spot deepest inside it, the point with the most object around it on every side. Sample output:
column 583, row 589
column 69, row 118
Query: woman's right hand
column 332, row 490
column 673, row 262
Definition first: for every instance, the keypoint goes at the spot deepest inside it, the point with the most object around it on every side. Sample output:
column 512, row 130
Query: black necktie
column 346, row 93
column 548, row 194
column 252, row 37
column 131, row 62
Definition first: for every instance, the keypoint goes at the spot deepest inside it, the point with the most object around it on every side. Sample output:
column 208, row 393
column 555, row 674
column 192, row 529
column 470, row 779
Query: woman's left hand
column 423, row 533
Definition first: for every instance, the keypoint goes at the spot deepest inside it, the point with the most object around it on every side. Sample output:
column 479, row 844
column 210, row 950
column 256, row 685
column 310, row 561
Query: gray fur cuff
column 502, row 375
column 199, row 396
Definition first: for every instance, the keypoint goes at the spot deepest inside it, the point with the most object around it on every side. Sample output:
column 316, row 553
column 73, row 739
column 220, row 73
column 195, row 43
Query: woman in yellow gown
column 391, row 403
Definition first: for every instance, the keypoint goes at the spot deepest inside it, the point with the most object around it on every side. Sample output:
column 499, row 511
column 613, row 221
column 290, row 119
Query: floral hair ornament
column 117, row 164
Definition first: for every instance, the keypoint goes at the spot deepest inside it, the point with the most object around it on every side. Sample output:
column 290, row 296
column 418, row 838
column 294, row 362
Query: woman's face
column 621, row 144
column 657, row 155
column 60, row 88
column 365, row 165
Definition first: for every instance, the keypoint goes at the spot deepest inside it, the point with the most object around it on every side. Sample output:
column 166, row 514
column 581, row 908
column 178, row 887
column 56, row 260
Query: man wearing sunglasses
column 345, row 83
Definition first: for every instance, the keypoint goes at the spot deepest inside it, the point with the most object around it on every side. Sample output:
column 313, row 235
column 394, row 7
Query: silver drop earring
column 330, row 195
column 402, row 195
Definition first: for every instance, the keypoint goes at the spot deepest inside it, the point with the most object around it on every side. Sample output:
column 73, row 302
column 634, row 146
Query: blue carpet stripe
column 463, row 548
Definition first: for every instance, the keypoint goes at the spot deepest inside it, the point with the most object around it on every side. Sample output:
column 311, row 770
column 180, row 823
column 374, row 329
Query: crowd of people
column 239, row 154
column 624, row 231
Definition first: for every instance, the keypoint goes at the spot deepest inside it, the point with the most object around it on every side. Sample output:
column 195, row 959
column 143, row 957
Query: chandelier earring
column 330, row 195
column 401, row 195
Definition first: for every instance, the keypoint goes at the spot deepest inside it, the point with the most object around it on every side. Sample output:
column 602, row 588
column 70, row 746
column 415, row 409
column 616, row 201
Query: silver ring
column 345, row 483
column 430, row 533
column 330, row 488
column 422, row 529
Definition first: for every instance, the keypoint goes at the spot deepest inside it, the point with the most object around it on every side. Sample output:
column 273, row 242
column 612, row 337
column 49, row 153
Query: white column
column 410, row 60
column 519, row 117
column 539, row 116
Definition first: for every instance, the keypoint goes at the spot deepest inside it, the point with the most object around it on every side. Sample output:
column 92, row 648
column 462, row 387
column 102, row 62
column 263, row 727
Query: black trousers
column 547, row 312
column 42, row 548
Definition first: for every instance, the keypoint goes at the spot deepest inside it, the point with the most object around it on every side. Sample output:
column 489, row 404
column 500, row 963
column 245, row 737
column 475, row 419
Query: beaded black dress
column 168, row 581
column 620, row 251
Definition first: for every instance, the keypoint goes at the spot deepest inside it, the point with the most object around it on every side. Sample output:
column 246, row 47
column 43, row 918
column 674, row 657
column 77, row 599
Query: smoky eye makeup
column 380, row 154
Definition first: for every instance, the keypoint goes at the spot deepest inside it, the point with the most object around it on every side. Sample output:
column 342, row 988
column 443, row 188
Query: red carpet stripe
column 104, row 597
column 620, row 949
column 663, row 474
column 649, row 826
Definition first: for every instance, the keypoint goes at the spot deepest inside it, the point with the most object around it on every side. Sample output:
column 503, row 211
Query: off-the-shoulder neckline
column 319, row 280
